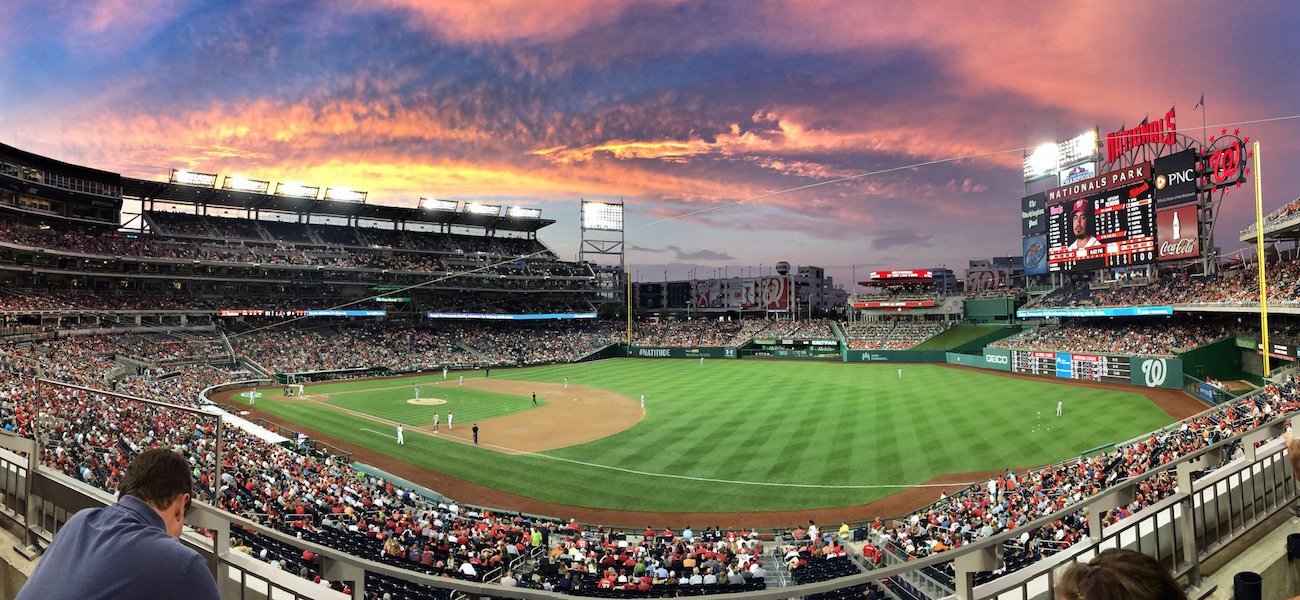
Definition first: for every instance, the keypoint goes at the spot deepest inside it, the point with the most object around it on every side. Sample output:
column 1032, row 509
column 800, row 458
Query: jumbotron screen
column 1115, row 228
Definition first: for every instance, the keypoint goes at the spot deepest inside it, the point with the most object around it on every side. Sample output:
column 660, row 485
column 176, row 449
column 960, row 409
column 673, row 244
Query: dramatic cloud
column 815, row 132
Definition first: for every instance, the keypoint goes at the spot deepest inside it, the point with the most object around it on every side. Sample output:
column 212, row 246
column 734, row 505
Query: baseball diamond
column 741, row 436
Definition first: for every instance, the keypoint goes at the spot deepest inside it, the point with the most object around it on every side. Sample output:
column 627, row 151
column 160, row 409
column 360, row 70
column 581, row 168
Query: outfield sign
column 715, row 352
column 1156, row 372
column 258, row 312
column 997, row 358
column 500, row 317
column 1120, row 311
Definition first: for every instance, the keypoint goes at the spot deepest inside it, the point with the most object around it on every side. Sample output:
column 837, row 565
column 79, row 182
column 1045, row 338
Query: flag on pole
column 1200, row 103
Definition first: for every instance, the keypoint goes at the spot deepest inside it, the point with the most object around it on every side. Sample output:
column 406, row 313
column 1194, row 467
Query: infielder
column 444, row 373
column 417, row 392
column 1059, row 405
column 448, row 421
column 462, row 381
column 566, row 383
column 400, row 441
column 435, row 421
column 642, row 400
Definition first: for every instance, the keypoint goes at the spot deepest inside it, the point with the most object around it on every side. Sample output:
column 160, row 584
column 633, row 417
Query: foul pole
column 1259, row 247
column 626, row 271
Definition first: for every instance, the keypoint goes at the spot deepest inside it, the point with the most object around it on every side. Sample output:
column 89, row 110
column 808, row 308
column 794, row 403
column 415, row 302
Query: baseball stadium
column 391, row 398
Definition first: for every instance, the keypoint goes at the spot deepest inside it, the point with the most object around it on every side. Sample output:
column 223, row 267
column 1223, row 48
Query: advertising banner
column 701, row 294
column 997, row 358
column 1035, row 253
column 1175, row 178
column 978, row 280
column 1177, row 232
column 1064, row 366
column 1033, row 215
column 1122, row 311
column 638, row 352
column 1156, row 372
column 775, row 293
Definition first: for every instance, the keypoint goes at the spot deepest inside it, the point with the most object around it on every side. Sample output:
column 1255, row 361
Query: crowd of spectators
column 1287, row 211
column 891, row 334
column 813, row 329
column 1147, row 339
column 697, row 333
column 1237, row 287
column 520, row 272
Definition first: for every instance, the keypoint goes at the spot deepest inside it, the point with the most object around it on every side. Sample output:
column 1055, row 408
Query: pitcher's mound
column 426, row 401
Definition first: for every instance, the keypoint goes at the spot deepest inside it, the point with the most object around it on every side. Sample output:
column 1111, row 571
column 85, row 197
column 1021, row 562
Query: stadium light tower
column 602, row 240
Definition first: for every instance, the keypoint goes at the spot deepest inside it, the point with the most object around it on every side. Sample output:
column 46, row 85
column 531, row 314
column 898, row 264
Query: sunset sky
column 673, row 106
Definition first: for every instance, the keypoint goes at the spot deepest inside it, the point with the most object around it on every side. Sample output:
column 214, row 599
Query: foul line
column 391, row 437
column 736, row 481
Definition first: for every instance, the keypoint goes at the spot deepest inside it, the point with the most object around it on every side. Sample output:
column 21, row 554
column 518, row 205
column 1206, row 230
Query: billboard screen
column 1116, row 228
column 1035, row 253
column 775, row 293
column 1033, row 215
column 1178, row 233
column 913, row 274
column 1175, row 178
column 978, row 280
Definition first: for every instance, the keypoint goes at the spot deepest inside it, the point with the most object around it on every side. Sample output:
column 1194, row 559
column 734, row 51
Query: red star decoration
column 1250, row 154
column 1246, row 172
column 1246, row 141
column 1236, row 131
column 1238, row 184
column 1223, row 131
column 1211, row 139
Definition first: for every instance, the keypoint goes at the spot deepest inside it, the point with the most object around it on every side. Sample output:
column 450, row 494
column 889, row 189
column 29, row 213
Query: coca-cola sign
column 1177, row 233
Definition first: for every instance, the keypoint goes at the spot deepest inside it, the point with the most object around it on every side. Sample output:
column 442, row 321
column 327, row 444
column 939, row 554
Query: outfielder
column 900, row 374
column 400, row 441
column 1059, row 405
column 252, row 396
column 444, row 373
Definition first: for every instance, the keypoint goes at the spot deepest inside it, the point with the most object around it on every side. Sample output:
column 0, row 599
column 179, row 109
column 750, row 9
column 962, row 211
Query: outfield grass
column 389, row 400
column 742, row 435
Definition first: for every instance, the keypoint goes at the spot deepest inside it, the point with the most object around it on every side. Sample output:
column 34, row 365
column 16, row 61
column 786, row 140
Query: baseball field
column 719, row 437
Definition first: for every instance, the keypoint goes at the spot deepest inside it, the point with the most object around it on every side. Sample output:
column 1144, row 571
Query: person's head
column 162, row 479
column 1118, row 574
column 1079, row 218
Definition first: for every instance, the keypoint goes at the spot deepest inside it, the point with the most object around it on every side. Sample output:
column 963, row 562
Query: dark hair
column 157, row 476
column 1118, row 574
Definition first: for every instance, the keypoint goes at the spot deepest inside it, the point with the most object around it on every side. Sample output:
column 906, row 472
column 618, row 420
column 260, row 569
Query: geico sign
column 996, row 359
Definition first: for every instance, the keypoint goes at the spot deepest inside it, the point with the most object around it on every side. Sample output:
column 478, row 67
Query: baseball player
column 252, row 396
column 444, row 373
column 534, row 398
column 417, row 392
column 1059, row 406
column 701, row 361
column 566, row 383
column 435, row 421
column 400, row 441
column 642, row 400
column 462, row 381
column 900, row 374
column 448, row 421
column 300, row 392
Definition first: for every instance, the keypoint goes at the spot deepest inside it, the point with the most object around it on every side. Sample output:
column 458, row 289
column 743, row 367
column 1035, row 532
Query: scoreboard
column 1091, row 367
column 1116, row 228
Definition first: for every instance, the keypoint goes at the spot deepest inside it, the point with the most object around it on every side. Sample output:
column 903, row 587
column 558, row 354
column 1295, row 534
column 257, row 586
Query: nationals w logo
column 1154, row 372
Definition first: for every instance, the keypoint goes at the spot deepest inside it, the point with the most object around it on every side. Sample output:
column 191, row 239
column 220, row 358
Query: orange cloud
column 500, row 21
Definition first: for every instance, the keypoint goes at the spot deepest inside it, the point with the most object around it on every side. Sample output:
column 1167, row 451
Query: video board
column 1090, row 367
column 1116, row 228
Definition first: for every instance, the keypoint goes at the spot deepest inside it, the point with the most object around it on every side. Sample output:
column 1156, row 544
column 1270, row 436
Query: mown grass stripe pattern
column 780, row 422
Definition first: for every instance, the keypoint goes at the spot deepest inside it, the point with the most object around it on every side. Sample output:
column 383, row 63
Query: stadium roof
column 1285, row 228
column 31, row 159
column 161, row 191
